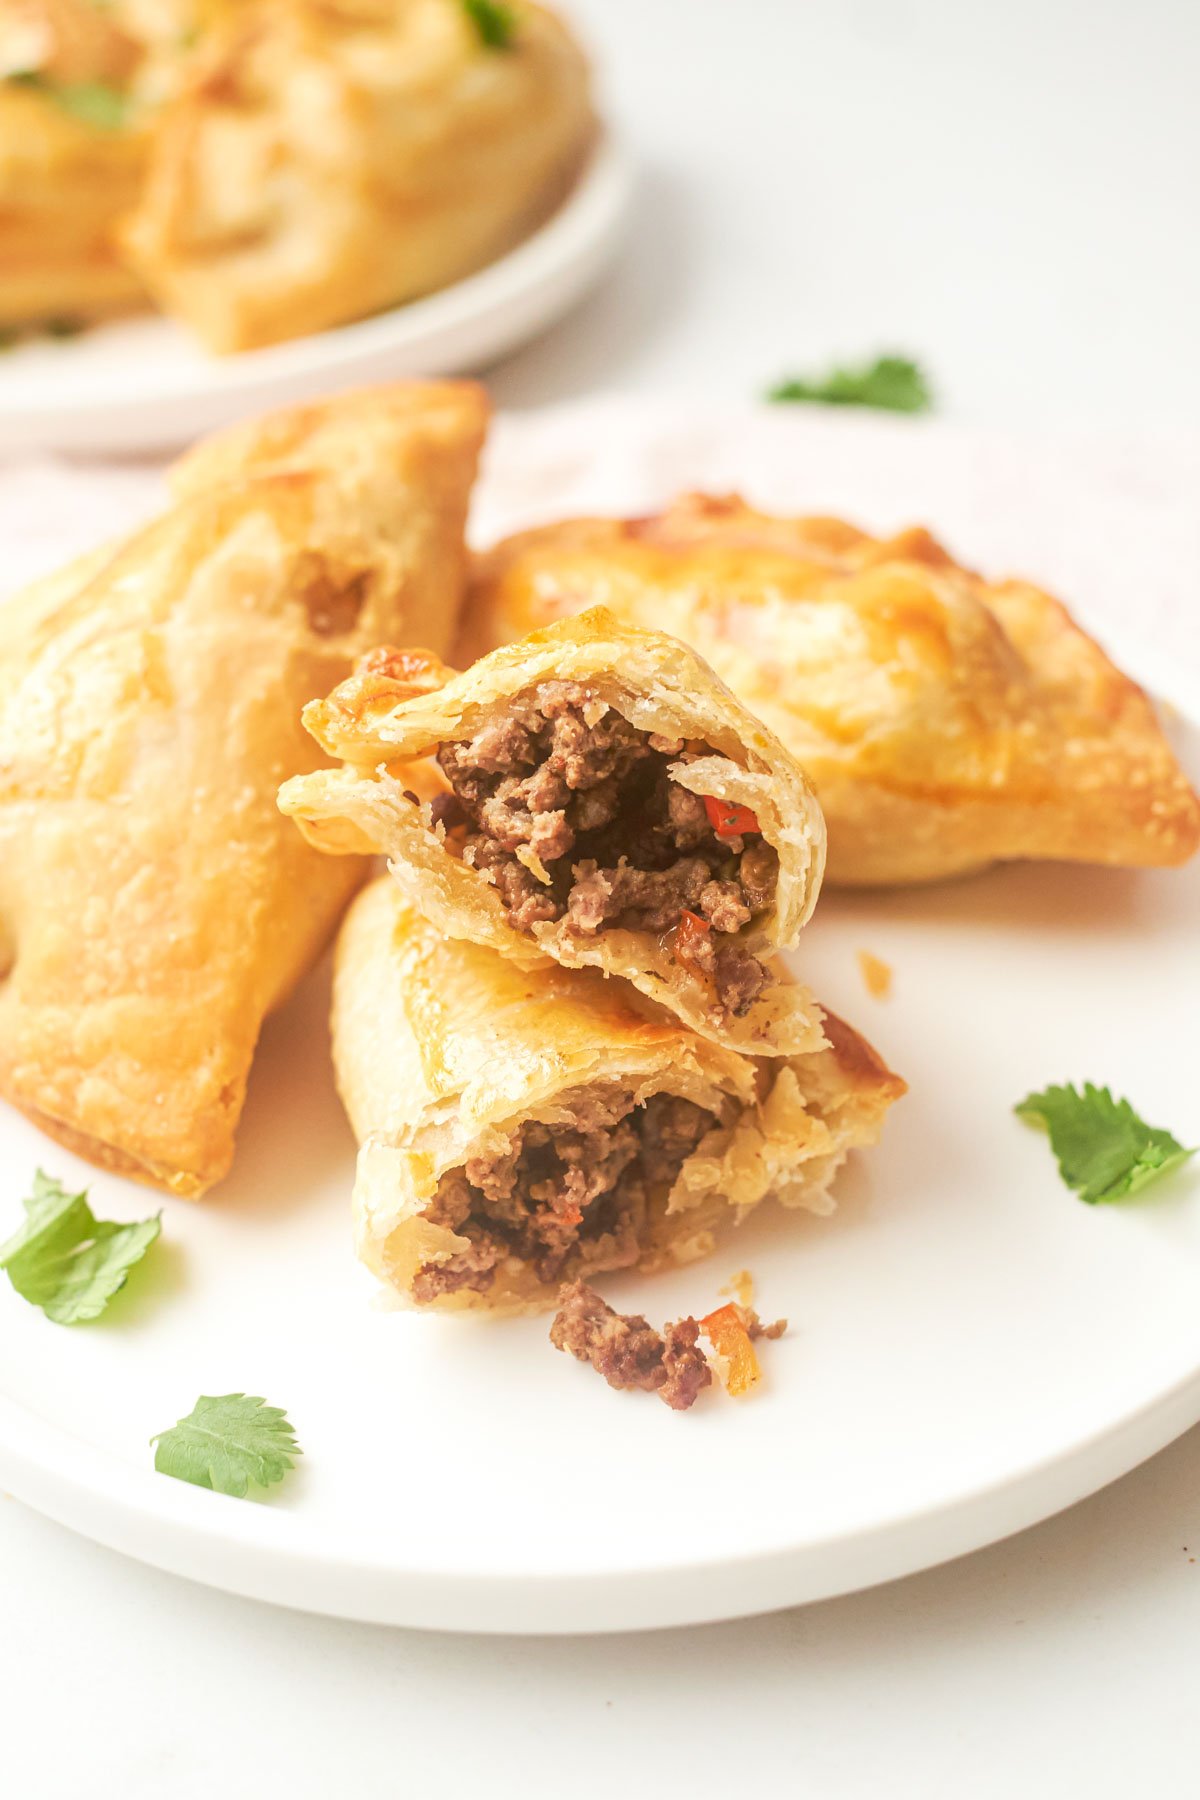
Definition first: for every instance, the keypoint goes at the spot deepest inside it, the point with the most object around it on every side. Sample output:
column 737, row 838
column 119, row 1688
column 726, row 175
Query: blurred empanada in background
column 81, row 87
column 154, row 905
column 71, row 160
column 329, row 158
column 946, row 721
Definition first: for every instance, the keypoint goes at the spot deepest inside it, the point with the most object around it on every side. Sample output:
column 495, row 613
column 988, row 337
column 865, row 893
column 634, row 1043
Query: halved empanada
column 945, row 721
column 612, row 805
column 328, row 158
column 521, row 1127
column 153, row 904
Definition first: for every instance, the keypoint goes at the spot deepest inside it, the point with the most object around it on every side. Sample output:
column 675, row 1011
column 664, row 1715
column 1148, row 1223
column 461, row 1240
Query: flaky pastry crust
column 946, row 721
column 397, row 709
column 443, row 1050
column 153, row 904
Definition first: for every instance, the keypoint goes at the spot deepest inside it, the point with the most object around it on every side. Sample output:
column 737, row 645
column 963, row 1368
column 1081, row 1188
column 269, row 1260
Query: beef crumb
column 627, row 1350
column 447, row 810
column 755, row 1327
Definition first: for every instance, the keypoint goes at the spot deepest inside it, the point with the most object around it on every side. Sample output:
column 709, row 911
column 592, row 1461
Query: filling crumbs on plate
column 630, row 1353
column 876, row 974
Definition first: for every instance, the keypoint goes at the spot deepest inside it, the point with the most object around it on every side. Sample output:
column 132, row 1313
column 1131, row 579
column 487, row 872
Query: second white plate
column 144, row 384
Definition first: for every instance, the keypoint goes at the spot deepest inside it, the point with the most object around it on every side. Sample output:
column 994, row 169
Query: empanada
column 70, row 160
column 328, row 158
column 945, row 721
column 522, row 1127
column 611, row 805
column 153, row 904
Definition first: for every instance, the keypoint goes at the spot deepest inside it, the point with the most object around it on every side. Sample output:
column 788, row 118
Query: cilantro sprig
column 93, row 103
column 1105, row 1151
column 495, row 22
column 67, row 1261
column 226, row 1442
column 893, row 383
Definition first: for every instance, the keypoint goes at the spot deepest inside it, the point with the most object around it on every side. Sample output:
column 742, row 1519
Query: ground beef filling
column 561, row 1188
column 627, row 1351
column 564, row 787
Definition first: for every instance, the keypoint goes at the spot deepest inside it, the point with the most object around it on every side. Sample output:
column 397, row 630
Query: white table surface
column 1009, row 193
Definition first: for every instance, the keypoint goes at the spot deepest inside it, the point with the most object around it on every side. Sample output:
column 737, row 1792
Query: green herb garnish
column 65, row 1260
column 1104, row 1150
column 226, row 1442
column 91, row 102
column 890, row 382
column 495, row 22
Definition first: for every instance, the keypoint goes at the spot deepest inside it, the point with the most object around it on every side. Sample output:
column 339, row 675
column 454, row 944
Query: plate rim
column 266, row 1554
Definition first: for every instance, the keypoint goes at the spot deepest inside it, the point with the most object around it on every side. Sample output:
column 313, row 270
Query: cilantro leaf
column 65, row 1260
column 493, row 20
column 91, row 102
column 891, row 382
column 1104, row 1150
column 226, row 1442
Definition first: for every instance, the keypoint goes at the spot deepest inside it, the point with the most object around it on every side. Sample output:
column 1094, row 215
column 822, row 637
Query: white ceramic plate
column 971, row 1347
column 144, row 383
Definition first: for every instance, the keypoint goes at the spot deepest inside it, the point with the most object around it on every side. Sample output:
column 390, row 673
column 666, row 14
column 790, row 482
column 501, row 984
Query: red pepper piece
column 729, row 820
column 690, row 933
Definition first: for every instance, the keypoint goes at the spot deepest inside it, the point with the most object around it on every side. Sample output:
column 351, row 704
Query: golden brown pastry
column 153, row 904
column 945, row 721
column 523, row 1127
column 72, row 147
column 329, row 158
column 610, row 805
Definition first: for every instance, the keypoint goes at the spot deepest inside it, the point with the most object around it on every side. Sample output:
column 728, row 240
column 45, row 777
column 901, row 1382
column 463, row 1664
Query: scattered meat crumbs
column 755, row 1327
column 876, row 974
column 629, row 1353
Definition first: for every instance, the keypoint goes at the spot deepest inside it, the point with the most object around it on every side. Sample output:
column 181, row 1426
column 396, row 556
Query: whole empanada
column 153, row 904
column 520, row 1127
column 946, row 722
column 612, row 806
column 328, row 158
